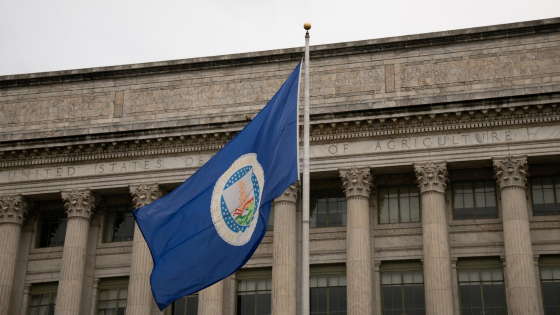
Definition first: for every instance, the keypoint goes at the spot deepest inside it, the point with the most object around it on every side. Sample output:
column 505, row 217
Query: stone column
column 79, row 205
column 211, row 299
column 357, row 186
column 284, row 255
column 522, row 292
column 12, row 213
column 140, row 298
column 26, row 296
column 432, row 178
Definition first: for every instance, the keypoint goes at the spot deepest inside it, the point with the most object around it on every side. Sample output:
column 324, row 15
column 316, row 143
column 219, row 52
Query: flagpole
column 305, row 225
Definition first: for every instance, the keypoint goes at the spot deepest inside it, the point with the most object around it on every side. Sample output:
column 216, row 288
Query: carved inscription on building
column 436, row 141
column 104, row 168
column 430, row 141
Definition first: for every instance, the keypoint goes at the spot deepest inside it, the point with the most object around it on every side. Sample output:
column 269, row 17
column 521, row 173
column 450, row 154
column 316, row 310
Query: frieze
column 409, row 231
column 48, row 255
column 544, row 224
column 475, row 228
column 327, row 236
column 382, row 126
column 114, row 250
column 479, row 69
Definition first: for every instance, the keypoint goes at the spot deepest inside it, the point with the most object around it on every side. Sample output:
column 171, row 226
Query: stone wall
column 481, row 63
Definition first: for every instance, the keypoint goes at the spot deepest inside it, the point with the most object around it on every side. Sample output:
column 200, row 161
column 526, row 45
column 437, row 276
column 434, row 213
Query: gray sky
column 39, row 35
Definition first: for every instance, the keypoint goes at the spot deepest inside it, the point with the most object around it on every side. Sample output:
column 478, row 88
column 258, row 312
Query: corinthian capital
column 144, row 194
column 356, row 182
column 13, row 209
column 431, row 176
column 290, row 194
column 79, row 203
column 511, row 171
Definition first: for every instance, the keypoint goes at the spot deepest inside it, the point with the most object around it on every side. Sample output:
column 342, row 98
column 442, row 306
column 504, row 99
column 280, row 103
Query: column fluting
column 12, row 213
column 432, row 180
column 357, row 185
column 140, row 298
column 284, row 255
column 211, row 299
column 521, row 285
column 79, row 205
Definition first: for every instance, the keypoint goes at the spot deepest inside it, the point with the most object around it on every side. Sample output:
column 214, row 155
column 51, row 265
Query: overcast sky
column 39, row 35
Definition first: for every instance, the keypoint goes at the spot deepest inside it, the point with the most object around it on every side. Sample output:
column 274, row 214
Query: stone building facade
column 435, row 184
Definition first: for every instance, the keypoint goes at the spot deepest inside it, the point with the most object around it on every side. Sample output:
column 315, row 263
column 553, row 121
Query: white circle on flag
column 236, row 200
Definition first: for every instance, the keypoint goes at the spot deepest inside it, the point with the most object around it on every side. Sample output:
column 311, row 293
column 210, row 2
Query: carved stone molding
column 13, row 209
column 327, row 236
column 511, row 172
column 431, row 177
column 290, row 194
column 356, row 182
column 145, row 193
column 47, row 255
column 79, row 203
column 334, row 129
column 401, row 231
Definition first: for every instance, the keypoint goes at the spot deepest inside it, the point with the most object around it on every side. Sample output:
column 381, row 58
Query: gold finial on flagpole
column 307, row 26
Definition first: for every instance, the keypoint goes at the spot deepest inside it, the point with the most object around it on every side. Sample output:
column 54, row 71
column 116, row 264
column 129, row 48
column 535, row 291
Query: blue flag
column 208, row 227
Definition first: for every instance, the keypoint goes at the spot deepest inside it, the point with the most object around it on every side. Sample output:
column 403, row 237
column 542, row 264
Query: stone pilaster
column 211, row 299
column 522, row 292
column 140, row 298
column 284, row 255
column 79, row 204
column 432, row 181
column 12, row 213
column 357, row 185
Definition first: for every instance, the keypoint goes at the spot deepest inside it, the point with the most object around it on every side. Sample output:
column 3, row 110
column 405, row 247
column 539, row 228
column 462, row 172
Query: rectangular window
column 474, row 200
column 52, row 229
column 119, row 224
column 328, row 208
column 550, row 283
column 398, row 204
column 546, row 195
column 254, row 292
column 187, row 305
column 327, row 290
column 42, row 299
column 112, row 296
column 481, row 287
column 402, row 288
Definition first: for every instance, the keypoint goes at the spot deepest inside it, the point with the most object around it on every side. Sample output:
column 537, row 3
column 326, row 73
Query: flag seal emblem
column 236, row 200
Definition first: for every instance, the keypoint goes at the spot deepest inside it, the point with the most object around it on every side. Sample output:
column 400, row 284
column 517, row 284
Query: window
column 42, row 299
column 546, row 195
column 52, row 227
column 402, row 288
column 327, row 286
column 112, row 296
column 254, row 289
column 187, row 305
column 119, row 224
column 328, row 208
column 481, row 287
column 399, row 204
column 550, row 282
column 474, row 200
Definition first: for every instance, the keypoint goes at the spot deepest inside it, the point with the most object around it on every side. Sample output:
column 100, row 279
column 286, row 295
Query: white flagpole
column 305, row 225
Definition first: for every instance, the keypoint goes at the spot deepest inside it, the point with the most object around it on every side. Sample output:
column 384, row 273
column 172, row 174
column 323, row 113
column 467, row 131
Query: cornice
column 292, row 54
column 322, row 130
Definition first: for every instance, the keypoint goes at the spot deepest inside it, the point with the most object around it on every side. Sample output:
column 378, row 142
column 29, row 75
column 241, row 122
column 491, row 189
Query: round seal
column 236, row 200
